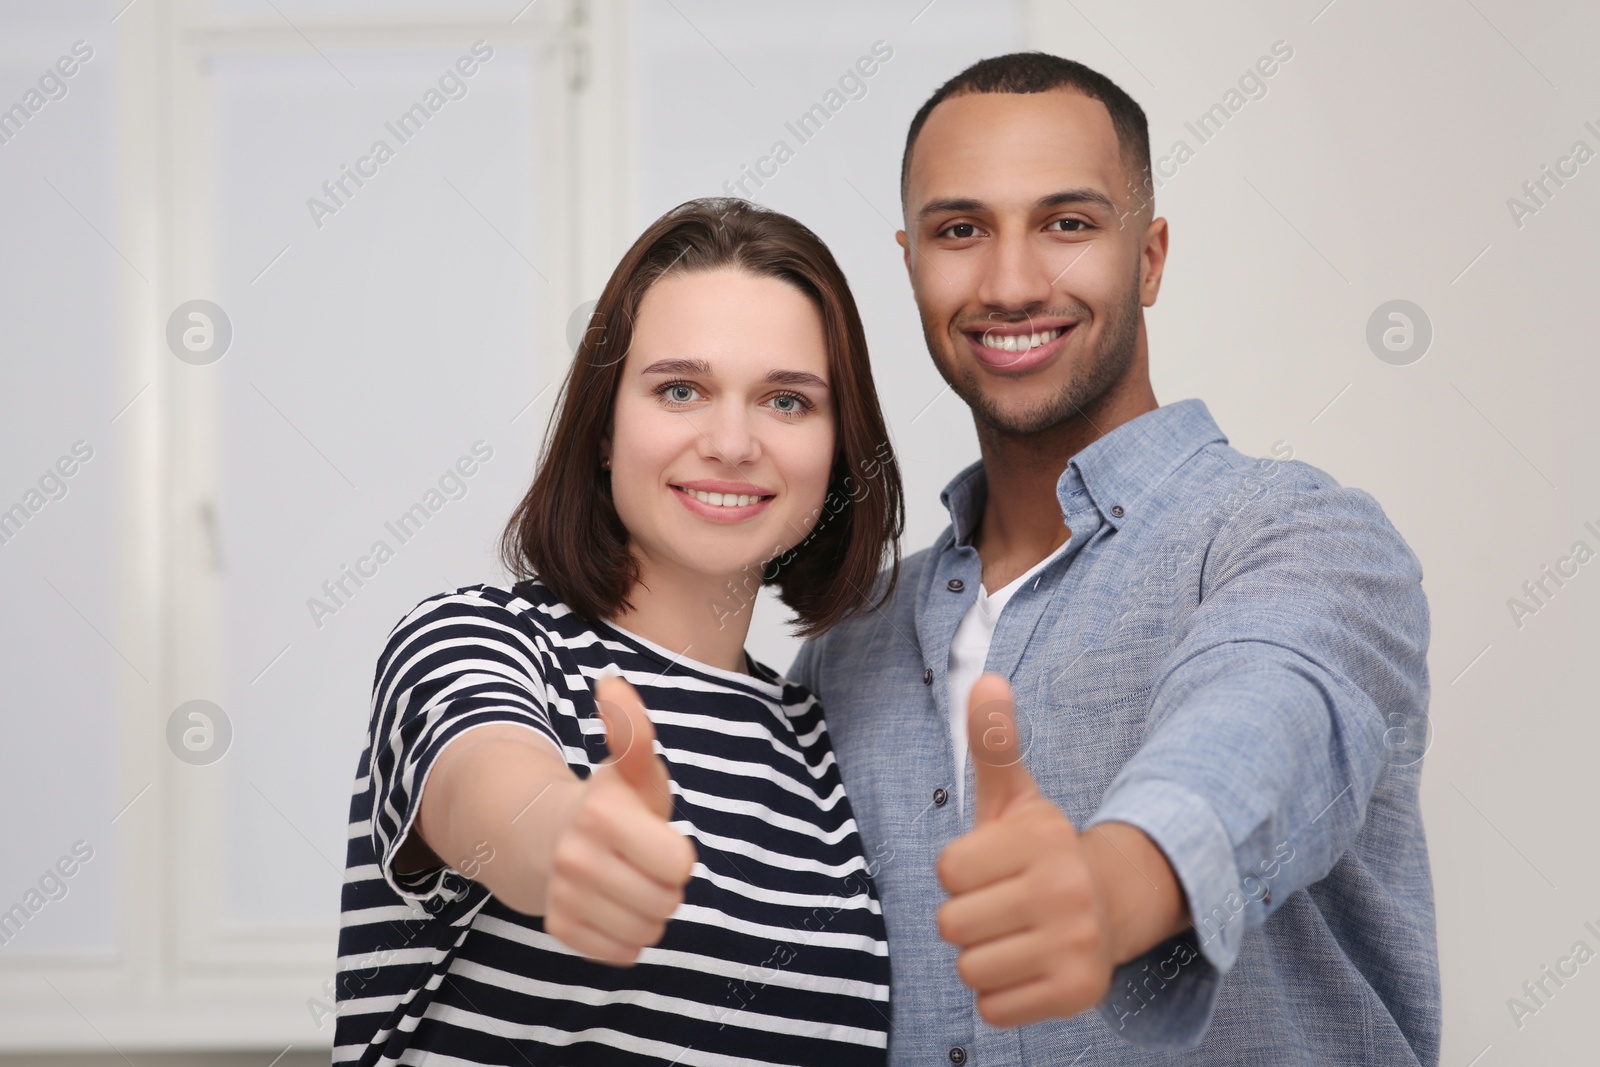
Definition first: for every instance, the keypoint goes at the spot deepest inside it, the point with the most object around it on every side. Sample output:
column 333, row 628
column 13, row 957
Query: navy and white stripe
column 778, row 953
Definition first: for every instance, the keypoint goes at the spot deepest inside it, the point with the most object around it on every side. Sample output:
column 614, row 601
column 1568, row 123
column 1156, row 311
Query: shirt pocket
column 1075, row 748
column 1103, row 675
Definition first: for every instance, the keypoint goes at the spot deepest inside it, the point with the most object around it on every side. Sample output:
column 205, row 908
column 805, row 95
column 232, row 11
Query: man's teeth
column 723, row 500
column 1020, row 342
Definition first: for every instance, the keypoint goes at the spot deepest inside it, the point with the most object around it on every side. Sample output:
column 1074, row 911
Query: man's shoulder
column 902, row 599
column 1238, row 486
column 1237, row 504
column 1219, row 460
column 889, row 614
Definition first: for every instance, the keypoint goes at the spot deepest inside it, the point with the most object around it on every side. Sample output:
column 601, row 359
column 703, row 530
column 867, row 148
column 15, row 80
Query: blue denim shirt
column 1230, row 654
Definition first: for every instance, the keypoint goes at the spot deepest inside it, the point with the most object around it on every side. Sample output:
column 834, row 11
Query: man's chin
column 1015, row 412
column 1017, row 420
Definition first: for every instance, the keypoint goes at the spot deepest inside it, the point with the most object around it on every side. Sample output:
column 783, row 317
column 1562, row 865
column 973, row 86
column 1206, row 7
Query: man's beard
column 1106, row 365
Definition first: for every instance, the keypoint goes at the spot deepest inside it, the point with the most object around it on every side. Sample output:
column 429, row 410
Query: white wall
column 429, row 311
column 1377, row 167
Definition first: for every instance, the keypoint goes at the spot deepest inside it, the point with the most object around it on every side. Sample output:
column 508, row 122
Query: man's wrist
column 1144, row 902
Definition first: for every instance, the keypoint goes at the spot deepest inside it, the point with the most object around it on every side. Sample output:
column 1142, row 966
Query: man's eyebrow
column 1085, row 195
column 957, row 205
column 678, row 366
column 950, row 206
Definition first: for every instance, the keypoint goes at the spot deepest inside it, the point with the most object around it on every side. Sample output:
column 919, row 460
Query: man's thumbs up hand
column 1001, row 780
column 619, row 867
column 1025, row 908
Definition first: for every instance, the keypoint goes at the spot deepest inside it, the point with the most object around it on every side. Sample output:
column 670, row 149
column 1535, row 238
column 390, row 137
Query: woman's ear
column 605, row 453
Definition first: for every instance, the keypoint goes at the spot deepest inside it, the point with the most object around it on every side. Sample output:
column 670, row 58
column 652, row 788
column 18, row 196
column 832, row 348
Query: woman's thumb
column 631, row 737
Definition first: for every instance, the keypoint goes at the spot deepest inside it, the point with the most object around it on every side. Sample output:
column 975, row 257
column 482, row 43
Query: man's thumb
column 631, row 737
column 999, row 776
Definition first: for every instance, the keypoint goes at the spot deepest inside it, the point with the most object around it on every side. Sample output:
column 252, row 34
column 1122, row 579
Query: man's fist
column 1025, row 908
column 619, row 868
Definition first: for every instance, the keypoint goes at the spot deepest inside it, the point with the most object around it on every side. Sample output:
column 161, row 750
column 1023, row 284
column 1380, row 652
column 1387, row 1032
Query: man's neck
column 1022, row 521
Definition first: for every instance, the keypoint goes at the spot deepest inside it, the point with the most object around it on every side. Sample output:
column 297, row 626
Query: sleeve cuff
column 1164, row 999
column 1196, row 844
column 1179, row 980
column 442, row 884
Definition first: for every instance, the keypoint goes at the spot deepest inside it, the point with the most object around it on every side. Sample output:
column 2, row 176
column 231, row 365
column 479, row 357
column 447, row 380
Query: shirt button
column 927, row 676
column 1116, row 510
column 955, row 585
column 940, row 796
column 958, row 1055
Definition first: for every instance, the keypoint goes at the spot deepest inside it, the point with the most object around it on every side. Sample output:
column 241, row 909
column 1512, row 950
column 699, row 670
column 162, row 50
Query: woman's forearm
column 494, row 804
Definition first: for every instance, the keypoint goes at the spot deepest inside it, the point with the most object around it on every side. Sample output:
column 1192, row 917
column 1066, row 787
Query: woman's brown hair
column 566, row 530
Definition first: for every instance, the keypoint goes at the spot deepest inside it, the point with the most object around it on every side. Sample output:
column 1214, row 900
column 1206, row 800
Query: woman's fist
column 619, row 868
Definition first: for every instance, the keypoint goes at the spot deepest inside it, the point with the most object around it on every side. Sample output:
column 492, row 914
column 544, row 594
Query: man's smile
column 1020, row 347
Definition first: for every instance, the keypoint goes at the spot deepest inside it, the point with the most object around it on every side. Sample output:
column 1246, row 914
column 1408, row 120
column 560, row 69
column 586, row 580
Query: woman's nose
column 726, row 434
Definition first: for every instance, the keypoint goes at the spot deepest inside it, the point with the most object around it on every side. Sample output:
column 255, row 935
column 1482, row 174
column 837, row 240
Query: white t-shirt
column 969, row 650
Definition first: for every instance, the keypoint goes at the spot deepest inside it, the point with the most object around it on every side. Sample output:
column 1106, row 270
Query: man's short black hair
column 1041, row 72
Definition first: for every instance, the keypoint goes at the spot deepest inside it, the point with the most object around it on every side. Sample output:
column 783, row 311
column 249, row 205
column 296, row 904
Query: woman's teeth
column 1020, row 342
column 723, row 500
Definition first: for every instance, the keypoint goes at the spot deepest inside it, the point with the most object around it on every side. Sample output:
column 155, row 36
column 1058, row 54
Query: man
column 1189, row 799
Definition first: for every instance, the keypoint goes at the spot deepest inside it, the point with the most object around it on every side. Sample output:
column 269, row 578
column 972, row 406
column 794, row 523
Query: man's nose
column 1017, row 275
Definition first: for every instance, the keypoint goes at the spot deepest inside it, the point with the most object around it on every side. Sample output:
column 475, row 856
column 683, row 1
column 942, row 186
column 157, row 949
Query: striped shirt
column 778, row 952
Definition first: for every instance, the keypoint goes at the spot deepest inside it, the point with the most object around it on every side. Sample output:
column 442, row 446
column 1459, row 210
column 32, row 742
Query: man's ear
column 905, row 248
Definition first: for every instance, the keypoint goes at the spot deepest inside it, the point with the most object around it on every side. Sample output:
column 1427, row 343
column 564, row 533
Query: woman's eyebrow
column 795, row 377
column 678, row 366
column 703, row 369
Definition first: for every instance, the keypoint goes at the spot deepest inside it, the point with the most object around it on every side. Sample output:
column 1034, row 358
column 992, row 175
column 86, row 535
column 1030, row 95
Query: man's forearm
column 1144, row 901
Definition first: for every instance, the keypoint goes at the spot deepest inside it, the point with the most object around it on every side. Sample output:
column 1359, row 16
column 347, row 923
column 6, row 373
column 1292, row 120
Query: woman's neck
column 692, row 615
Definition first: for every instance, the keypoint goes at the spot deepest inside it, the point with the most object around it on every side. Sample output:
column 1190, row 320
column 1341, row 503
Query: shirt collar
column 1118, row 469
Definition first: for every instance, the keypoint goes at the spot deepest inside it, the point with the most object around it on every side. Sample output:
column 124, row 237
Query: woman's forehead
column 731, row 322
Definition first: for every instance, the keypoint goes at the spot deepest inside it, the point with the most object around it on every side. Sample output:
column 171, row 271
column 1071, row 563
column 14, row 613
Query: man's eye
column 1064, row 222
column 960, row 231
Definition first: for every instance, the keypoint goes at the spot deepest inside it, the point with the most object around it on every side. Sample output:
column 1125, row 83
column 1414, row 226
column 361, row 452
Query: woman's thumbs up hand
column 619, row 867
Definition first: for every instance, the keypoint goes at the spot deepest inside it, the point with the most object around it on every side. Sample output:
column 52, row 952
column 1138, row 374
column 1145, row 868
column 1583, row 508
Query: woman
column 540, row 876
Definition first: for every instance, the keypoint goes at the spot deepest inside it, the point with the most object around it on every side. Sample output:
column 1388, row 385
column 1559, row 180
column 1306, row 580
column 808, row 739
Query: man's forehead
column 1013, row 147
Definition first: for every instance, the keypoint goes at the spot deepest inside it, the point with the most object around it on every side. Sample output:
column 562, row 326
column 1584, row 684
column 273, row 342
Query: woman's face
column 722, row 439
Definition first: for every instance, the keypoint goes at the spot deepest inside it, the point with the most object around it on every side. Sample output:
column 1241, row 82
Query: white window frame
column 178, row 978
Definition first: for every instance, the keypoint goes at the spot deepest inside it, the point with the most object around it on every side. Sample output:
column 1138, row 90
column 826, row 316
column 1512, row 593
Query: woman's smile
column 719, row 501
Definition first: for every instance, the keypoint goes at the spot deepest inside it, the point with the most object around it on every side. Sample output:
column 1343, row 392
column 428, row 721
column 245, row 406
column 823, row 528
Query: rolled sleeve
column 1266, row 732
column 1188, row 974
column 455, row 663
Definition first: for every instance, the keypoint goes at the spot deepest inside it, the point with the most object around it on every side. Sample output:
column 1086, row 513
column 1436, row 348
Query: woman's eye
column 789, row 403
column 677, row 392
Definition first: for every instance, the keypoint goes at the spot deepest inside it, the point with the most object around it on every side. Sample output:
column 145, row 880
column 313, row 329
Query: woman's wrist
column 493, row 807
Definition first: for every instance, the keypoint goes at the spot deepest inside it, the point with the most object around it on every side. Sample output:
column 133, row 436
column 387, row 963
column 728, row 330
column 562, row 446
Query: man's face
column 1030, row 255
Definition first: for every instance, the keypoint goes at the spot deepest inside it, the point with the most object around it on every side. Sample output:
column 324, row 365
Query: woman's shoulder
column 795, row 699
column 526, row 607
